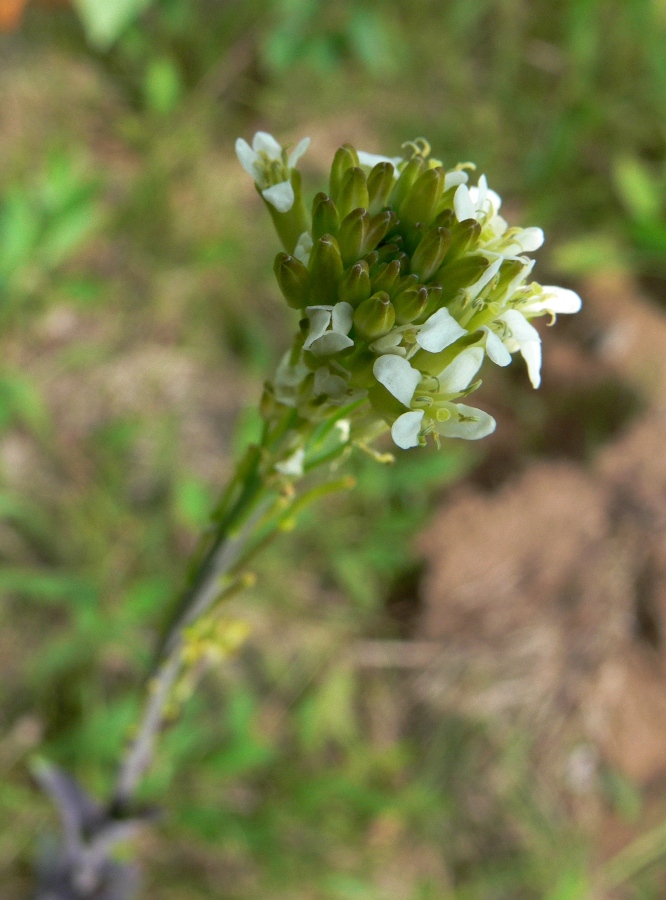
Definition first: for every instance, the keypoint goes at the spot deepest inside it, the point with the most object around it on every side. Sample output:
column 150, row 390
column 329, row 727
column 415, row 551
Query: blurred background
column 455, row 685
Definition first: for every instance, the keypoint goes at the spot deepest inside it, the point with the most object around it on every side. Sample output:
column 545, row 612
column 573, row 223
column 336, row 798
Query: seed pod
column 293, row 280
column 409, row 305
column 353, row 191
column 387, row 277
column 345, row 158
column 380, row 185
column 356, row 286
column 325, row 270
column 407, row 178
column 325, row 218
column 374, row 317
column 460, row 273
column 352, row 234
column 430, row 253
column 422, row 198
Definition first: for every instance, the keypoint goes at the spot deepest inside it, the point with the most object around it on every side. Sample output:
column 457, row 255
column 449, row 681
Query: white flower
column 406, row 428
column 398, row 377
column 495, row 348
column 495, row 260
column 292, row 465
column 270, row 167
column 457, row 376
column 553, row 300
column 288, row 380
column 323, row 340
column 476, row 202
column 523, row 337
column 304, row 248
column 454, row 178
column 328, row 384
column 466, row 422
column 370, row 160
column 439, row 331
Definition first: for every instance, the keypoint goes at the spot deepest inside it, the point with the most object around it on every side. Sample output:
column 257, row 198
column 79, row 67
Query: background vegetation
column 138, row 317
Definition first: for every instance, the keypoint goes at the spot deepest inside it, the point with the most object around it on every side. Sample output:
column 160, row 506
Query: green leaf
column 105, row 20
column 163, row 86
column 638, row 190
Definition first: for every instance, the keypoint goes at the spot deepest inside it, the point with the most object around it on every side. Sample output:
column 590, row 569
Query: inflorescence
column 406, row 278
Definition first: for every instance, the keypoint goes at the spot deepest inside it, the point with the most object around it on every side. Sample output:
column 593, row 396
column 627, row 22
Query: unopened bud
column 345, row 158
column 446, row 218
column 461, row 273
column 407, row 178
column 380, row 185
column 374, row 317
column 387, row 277
column 325, row 270
column 293, row 280
column 387, row 252
column 351, row 236
column 356, row 286
column 422, row 198
column 325, row 218
column 430, row 253
column 410, row 305
column 353, row 193
column 464, row 237
column 378, row 227
column 510, row 269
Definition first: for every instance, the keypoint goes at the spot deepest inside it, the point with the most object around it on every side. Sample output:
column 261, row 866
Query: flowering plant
column 405, row 278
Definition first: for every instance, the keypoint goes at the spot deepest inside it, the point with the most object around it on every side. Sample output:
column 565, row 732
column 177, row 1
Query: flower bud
column 387, row 277
column 345, row 158
column 380, row 185
column 407, row 178
column 460, row 273
column 374, row 317
column 422, row 198
column 325, row 270
column 356, row 286
column 464, row 237
column 351, row 237
column 353, row 191
column 378, row 227
column 446, row 218
column 325, row 218
column 430, row 253
column 387, row 252
column 409, row 305
column 293, row 280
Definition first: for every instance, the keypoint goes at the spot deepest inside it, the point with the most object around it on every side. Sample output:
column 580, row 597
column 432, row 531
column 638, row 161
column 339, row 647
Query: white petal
column 246, row 157
column 331, row 342
column 519, row 327
column 529, row 239
column 320, row 318
column 293, row 465
column 439, row 331
column 266, row 143
column 495, row 201
column 475, row 423
column 326, row 383
column 388, row 343
column 560, row 300
column 497, row 225
column 451, row 179
column 397, row 376
column 342, row 318
column 462, row 203
column 372, row 159
column 281, row 196
column 303, row 248
column 475, row 289
column 458, row 375
column 298, row 151
column 344, row 427
column 495, row 348
column 482, row 194
column 406, row 428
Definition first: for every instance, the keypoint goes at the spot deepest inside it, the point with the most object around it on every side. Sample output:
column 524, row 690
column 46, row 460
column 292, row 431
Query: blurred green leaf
column 163, row 87
column 639, row 191
column 105, row 20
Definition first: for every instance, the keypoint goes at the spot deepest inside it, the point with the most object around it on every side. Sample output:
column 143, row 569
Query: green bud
column 372, row 259
column 387, row 252
column 509, row 270
column 378, row 227
column 352, row 235
column 460, row 273
column 374, row 317
column 446, row 219
column 387, row 277
column 325, row 218
column 410, row 305
column 345, row 158
column 290, row 225
column 380, row 185
column 435, row 363
column 325, row 270
column 353, row 193
column 464, row 238
column 407, row 178
column 422, row 198
column 356, row 286
column 293, row 279
column 434, row 292
column 430, row 253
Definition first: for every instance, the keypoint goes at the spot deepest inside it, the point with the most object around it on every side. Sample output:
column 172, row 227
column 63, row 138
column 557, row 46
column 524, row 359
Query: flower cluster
column 406, row 277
